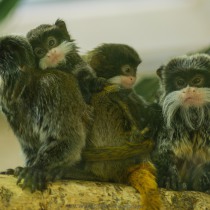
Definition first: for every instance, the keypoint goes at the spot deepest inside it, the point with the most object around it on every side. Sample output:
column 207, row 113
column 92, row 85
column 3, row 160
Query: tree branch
column 82, row 195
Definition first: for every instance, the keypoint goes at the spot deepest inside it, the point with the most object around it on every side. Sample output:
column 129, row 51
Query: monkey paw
column 33, row 178
column 172, row 180
column 98, row 84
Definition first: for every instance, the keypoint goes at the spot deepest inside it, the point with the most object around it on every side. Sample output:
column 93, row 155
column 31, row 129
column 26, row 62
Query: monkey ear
column 61, row 25
column 160, row 71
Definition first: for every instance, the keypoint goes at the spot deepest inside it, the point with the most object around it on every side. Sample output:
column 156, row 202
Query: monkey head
column 186, row 90
column 116, row 62
column 51, row 44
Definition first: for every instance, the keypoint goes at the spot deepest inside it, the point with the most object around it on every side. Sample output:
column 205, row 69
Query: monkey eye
column 51, row 42
column 180, row 83
column 197, row 81
column 39, row 52
column 126, row 69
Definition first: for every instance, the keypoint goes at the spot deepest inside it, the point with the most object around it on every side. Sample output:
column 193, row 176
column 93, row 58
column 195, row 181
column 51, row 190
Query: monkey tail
column 143, row 178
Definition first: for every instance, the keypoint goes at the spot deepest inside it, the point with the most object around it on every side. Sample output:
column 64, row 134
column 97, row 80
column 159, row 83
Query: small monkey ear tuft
column 160, row 71
column 61, row 24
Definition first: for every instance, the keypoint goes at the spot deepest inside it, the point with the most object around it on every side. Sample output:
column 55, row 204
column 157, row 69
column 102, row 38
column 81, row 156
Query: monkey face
column 54, row 52
column 127, row 77
column 186, row 89
column 51, row 44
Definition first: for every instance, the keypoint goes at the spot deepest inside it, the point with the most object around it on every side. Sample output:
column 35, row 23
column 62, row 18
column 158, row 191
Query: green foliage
column 148, row 87
column 6, row 6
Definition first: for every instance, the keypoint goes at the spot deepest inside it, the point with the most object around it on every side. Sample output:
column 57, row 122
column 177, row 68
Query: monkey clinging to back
column 182, row 153
column 54, row 48
column 45, row 110
column 118, row 63
column 115, row 125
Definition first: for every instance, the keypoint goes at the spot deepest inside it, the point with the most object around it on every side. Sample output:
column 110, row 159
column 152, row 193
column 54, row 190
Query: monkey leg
column 143, row 178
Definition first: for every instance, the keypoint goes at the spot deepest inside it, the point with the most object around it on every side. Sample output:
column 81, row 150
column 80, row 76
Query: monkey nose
column 133, row 79
column 189, row 90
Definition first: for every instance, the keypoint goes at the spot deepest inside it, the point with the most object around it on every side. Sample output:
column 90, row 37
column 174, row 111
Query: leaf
column 6, row 6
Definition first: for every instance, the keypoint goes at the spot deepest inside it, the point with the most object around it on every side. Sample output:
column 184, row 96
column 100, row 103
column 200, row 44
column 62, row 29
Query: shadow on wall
column 10, row 152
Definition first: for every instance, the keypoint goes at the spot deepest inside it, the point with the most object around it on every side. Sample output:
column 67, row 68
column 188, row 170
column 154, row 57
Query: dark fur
column 107, row 59
column 182, row 154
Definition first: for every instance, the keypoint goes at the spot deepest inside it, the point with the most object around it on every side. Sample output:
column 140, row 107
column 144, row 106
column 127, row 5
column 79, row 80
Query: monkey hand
column 172, row 180
column 33, row 178
column 98, row 84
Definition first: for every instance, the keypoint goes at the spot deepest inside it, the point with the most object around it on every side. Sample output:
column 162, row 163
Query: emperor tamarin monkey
column 54, row 48
column 49, row 119
column 182, row 154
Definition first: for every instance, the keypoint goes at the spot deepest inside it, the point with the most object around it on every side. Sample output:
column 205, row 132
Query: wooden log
column 83, row 195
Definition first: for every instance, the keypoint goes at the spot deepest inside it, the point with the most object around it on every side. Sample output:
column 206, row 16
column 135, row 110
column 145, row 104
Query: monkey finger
column 27, row 181
column 9, row 171
column 17, row 171
column 41, row 182
column 20, row 178
column 34, row 183
column 100, row 83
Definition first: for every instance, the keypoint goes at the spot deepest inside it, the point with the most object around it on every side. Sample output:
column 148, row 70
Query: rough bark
column 82, row 195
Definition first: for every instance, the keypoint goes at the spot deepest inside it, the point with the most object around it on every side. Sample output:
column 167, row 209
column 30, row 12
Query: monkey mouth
column 128, row 86
column 56, row 58
column 128, row 82
column 52, row 61
column 193, row 101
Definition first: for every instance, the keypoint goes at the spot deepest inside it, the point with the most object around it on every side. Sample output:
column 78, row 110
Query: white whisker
column 192, row 116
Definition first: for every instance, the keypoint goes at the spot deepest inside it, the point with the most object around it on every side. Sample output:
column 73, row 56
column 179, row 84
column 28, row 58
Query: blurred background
column 157, row 29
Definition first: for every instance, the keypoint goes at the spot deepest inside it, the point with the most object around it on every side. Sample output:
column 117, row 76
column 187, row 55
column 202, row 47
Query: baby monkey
column 182, row 154
column 54, row 48
column 116, row 62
